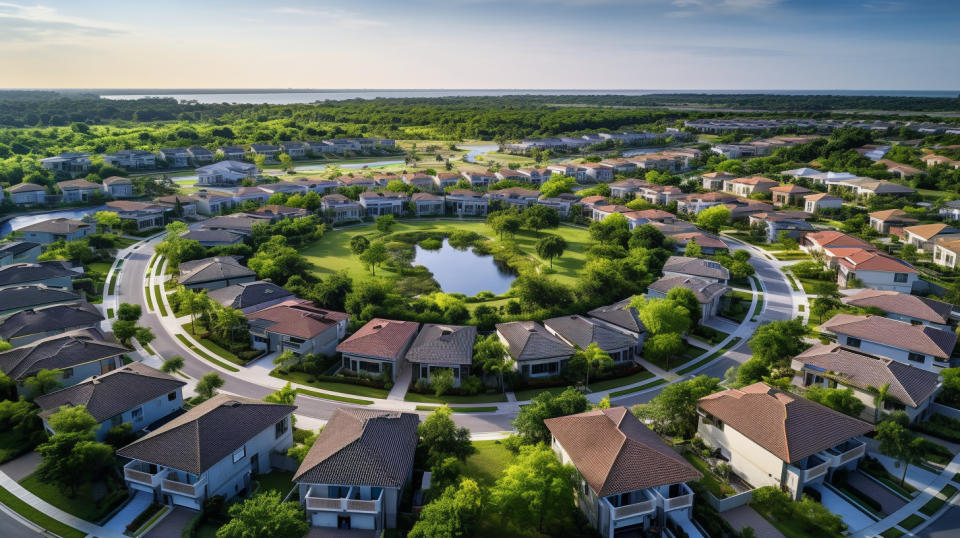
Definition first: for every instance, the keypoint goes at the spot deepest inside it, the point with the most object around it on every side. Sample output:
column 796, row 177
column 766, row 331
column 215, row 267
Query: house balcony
column 142, row 473
column 630, row 506
column 844, row 452
column 180, row 483
column 675, row 497
column 317, row 499
column 810, row 468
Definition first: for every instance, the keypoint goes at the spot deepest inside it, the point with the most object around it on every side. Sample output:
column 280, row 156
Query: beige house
column 789, row 194
column 924, row 235
column 773, row 438
column 745, row 186
column 821, row 201
column 946, row 251
column 713, row 181
column 890, row 220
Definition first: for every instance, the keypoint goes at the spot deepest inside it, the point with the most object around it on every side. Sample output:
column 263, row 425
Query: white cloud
column 335, row 16
column 42, row 25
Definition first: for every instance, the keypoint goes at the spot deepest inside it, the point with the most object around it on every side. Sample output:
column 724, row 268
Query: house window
column 281, row 428
column 116, row 420
column 239, row 454
column 137, row 414
column 546, row 368
column 900, row 277
column 172, row 396
column 853, row 342
column 916, row 357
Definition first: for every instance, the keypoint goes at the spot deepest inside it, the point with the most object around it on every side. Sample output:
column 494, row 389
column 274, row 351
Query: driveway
column 851, row 515
column 172, row 525
column 118, row 523
column 889, row 502
column 23, row 466
column 746, row 516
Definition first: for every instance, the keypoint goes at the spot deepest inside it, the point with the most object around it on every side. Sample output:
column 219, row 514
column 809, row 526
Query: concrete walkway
column 745, row 516
column 118, row 523
column 402, row 383
column 889, row 502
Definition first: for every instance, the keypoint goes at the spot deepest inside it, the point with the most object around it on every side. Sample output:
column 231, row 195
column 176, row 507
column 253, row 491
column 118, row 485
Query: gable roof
column 859, row 259
column 897, row 215
column 831, row 238
column 49, row 318
column 64, row 350
column 790, row 188
column 898, row 334
column 213, row 236
column 77, row 184
column 204, row 435
column 19, row 273
column 296, row 317
column 905, row 304
column 113, row 393
column 527, row 340
column 928, row 231
column 705, row 290
column 820, row 197
column 620, row 314
column 443, row 344
column 380, row 338
column 908, row 384
column 212, row 269
column 14, row 248
column 56, row 226
column 696, row 267
column 790, row 427
column 581, row 332
column 362, row 447
column 33, row 295
column 617, row 453
column 25, row 187
column 248, row 294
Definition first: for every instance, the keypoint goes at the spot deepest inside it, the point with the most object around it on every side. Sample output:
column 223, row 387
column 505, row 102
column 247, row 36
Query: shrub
column 144, row 517
column 431, row 244
column 423, row 385
column 471, row 385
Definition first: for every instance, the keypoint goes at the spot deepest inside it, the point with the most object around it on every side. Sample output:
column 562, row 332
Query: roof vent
column 446, row 332
column 377, row 327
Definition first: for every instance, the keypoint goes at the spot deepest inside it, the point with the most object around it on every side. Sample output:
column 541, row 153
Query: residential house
column 340, row 208
column 695, row 203
column 859, row 268
column 774, row 438
column 708, row 244
column 933, row 160
column 250, row 296
column 622, row 317
column 340, row 146
column 241, row 223
column 201, row 155
column 675, row 228
column 320, row 186
column 950, row 210
column 212, row 202
column 946, row 251
column 514, row 196
column 27, row 194
column 76, row 355
column 135, row 394
column 536, row 352
column 48, row 231
column 378, row 347
column 175, row 157
column 229, row 173
column 78, row 190
column 866, row 187
column 579, row 332
column 478, row 179
column 276, row 213
column 627, row 188
column 660, row 194
column 794, row 223
column 902, row 171
column 254, row 194
column 365, row 182
column 821, row 201
column 117, row 187
column 316, row 148
column 924, row 235
column 561, row 204
column 420, row 180
column 445, row 179
column 588, row 202
column 19, row 252
column 269, row 151
column 131, row 159
column 563, row 169
column 709, row 293
column 790, row 194
column 426, row 204
column 536, row 175
column 713, row 181
column 298, row 326
column 357, row 469
column 909, row 388
column 180, row 205
column 601, row 212
column 904, row 307
column 628, row 480
column 71, row 163
column 213, row 273
column 744, row 207
column 463, row 202
column 283, row 187
column 594, row 173
column 232, row 153
column 213, row 238
column 32, row 324
column 696, row 267
column 920, row 345
column 445, row 347
column 745, row 186
column 296, row 150
column 55, row 274
column 506, row 174
column 215, row 448
column 817, row 242
column 376, row 204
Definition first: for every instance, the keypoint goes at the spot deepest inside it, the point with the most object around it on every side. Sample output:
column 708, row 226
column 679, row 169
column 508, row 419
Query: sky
column 459, row 44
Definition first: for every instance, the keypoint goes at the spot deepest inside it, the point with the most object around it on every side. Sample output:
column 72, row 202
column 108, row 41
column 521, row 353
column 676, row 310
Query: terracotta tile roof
column 616, row 453
column 927, row 231
column 755, row 180
column 909, row 384
column 790, row 188
column 790, row 427
column 363, row 447
column 593, row 199
column 830, row 238
column 820, row 196
column 296, row 317
column 718, row 175
column 865, row 260
column 654, row 214
column 894, row 302
column 381, row 338
column 443, row 344
column 898, row 334
column 897, row 215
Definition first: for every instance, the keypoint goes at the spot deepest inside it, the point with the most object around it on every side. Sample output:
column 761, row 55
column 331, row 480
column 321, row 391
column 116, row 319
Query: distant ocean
column 287, row 97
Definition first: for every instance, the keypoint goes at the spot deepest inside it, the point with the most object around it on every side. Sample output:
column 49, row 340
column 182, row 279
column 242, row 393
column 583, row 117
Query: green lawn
column 710, row 481
column 205, row 355
column 332, row 252
column 215, row 348
column 690, row 352
column 82, row 506
column 333, row 397
column 631, row 390
column 455, row 399
column 160, row 305
column 147, row 294
column 487, row 409
column 36, row 516
column 488, row 463
column 345, row 388
column 911, row 521
column 701, row 362
column 281, row 481
column 892, row 532
column 938, row 501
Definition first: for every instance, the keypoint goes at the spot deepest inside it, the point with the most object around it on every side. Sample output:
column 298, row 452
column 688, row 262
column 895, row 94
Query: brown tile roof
column 593, row 199
column 620, row 314
column 702, row 239
column 116, row 180
column 381, row 338
column 425, row 197
column 830, row 238
column 616, row 453
column 705, row 290
column 927, row 231
column 696, row 267
column 897, row 215
column 755, row 180
column 902, row 303
column 654, row 214
column 909, row 384
column 820, row 196
column 25, row 187
column 296, row 317
column 788, row 426
column 898, row 334
column 77, row 184
column 864, row 260
column 363, row 447
column 718, row 175
column 790, row 188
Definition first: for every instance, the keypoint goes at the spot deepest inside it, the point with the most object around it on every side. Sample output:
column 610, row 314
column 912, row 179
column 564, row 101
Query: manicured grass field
column 631, row 390
column 205, row 355
column 214, row 347
column 488, row 409
column 281, row 481
column 938, row 501
column 455, row 399
column 488, row 462
column 159, row 296
column 82, row 506
column 332, row 252
column 146, row 293
column 700, row 363
column 36, row 516
column 333, row 397
column 345, row 388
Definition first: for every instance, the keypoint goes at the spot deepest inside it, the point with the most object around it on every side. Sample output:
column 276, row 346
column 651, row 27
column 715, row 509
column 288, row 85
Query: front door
column 343, row 522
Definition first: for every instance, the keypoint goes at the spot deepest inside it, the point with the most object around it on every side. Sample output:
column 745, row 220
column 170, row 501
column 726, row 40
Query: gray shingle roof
column 21, row 273
column 696, row 267
column 50, row 318
column 620, row 314
column 204, row 435
column 527, row 340
column 212, row 269
column 581, row 332
column 113, row 393
column 705, row 290
column 362, row 447
column 15, row 248
column 248, row 294
column 33, row 295
column 64, row 350
column 443, row 344
column 213, row 236
column 56, row 226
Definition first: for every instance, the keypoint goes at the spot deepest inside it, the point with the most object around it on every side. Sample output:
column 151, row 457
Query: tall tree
column 712, row 219
column 452, row 515
column 536, row 489
column 674, row 410
column 441, row 438
column 662, row 315
column 594, row 359
column 550, row 247
column 899, row 443
column 529, row 422
column 208, row 384
column 264, row 516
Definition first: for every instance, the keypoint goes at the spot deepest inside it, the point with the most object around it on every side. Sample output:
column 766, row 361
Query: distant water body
column 280, row 97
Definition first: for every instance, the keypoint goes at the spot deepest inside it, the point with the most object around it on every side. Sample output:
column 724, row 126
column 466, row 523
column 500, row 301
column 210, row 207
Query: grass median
column 702, row 362
column 159, row 293
column 455, row 399
column 146, row 293
column 487, row 409
column 37, row 517
column 205, row 355
column 325, row 396
column 638, row 388
column 345, row 388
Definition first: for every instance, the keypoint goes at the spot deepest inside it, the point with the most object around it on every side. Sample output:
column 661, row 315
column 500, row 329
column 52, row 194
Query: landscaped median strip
column 638, row 388
column 160, row 307
column 938, row 500
column 325, row 396
column 698, row 364
column 205, row 355
column 488, row 409
column 146, row 293
column 36, row 516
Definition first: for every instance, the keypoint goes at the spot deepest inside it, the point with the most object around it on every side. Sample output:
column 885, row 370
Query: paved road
column 946, row 526
column 12, row 527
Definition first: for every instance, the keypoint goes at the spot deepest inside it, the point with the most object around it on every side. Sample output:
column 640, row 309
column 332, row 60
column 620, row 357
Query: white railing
column 836, row 458
column 674, row 503
column 630, row 510
column 806, row 475
column 182, row 488
column 139, row 472
column 342, row 504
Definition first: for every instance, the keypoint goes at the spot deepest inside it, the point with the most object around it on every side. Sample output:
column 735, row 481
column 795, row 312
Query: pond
column 26, row 220
column 462, row 271
column 476, row 150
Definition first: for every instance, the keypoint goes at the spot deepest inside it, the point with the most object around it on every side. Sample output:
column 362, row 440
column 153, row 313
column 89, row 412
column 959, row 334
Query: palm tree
column 880, row 396
column 594, row 356
column 227, row 320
